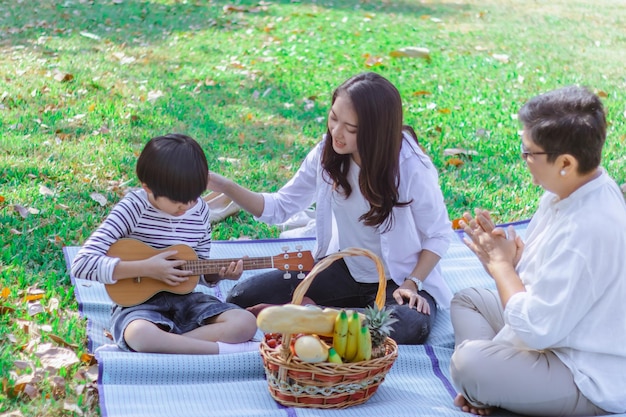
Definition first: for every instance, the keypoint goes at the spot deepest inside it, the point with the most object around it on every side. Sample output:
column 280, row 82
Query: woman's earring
column 562, row 172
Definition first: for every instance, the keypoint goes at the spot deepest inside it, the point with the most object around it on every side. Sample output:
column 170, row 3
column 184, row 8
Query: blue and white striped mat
column 159, row 385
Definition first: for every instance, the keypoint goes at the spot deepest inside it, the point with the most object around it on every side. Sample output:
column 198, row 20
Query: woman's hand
column 491, row 244
column 415, row 300
column 483, row 218
column 498, row 252
column 216, row 182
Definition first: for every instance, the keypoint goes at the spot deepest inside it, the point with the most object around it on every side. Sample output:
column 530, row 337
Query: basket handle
column 381, row 295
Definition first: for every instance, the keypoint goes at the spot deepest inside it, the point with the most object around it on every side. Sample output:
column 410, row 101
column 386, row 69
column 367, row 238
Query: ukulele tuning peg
column 298, row 248
column 287, row 275
column 301, row 275
column 285, row 248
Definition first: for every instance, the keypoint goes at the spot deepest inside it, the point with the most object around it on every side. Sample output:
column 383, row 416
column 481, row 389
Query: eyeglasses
column 526, row 153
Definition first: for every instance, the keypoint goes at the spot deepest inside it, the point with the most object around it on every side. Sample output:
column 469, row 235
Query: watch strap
column 418, row 282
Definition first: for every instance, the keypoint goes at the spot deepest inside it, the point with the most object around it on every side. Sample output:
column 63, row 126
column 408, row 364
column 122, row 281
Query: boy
column 166, row 211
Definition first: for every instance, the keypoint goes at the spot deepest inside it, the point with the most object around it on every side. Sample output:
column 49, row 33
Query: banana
column 340, row 333
column 333, row 356
column 364, row 351
column 352, row 344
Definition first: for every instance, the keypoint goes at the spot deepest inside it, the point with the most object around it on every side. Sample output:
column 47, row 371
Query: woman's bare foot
column 464, row 405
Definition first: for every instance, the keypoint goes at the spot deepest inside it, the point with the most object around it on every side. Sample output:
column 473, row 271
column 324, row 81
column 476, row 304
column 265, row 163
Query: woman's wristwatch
column 418, row 282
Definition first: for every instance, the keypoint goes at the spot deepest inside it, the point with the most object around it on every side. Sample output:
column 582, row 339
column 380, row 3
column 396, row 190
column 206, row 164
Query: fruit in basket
column 364, row 350
column 333, row 356
column 273, row 340
column 293, row 318
column 379, row 322
column 340, row 333
column 309, row 348
column 352, row 343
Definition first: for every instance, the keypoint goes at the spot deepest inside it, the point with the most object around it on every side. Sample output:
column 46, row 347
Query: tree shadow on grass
column 134, row 21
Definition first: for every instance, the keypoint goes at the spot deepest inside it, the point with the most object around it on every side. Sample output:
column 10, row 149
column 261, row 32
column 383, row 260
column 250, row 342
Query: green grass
column 253, row 88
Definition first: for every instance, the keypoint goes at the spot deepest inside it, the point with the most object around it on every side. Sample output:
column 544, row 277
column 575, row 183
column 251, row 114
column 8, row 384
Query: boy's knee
column 244, row 322
column 138, row 333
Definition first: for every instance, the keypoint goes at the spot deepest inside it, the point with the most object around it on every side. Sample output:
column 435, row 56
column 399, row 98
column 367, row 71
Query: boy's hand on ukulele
column 168, row 270
column 233, row 272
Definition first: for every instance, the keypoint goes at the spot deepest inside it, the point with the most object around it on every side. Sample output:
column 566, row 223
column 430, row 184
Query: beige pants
column 491, row 374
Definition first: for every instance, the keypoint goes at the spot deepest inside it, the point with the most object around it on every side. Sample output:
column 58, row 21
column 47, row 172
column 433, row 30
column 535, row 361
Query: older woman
column 551, row 339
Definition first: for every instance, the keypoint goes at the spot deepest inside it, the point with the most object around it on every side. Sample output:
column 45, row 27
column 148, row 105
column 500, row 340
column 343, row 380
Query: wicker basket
column 295, row 383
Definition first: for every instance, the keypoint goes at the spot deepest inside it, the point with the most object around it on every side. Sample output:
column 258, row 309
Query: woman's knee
column 464, row 367
column 412, row 327
column 463, row 299
column 269, row 288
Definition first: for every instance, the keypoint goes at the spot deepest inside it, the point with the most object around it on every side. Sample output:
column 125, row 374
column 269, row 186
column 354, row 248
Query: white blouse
column 574, row 270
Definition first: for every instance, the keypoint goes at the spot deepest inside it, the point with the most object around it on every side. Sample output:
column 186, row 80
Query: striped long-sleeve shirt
column 135, row 217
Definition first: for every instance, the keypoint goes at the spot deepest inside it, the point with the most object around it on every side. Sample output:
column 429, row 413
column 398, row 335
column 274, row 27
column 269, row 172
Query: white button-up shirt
column 423, row 224
column 574, row 270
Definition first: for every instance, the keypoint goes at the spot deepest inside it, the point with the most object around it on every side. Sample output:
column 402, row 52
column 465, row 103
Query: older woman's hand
column 491, row 244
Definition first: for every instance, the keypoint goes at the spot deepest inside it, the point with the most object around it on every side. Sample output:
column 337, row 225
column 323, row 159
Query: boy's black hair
column 174, row 166
column 569, row 120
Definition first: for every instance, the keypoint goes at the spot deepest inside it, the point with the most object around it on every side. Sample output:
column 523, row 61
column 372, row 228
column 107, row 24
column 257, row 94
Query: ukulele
column 132, row 291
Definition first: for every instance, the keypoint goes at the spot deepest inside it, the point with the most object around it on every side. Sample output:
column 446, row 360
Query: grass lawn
column 86, row 83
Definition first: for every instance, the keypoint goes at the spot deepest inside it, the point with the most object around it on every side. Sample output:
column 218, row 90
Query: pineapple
column 379, row 322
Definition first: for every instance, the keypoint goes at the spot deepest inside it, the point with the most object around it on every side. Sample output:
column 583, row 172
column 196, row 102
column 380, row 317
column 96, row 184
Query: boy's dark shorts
column 173, row 313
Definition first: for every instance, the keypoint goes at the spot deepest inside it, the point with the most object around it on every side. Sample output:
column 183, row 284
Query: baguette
column 294, row 319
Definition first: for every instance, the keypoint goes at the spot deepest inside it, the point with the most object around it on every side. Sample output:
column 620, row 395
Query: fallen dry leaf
column 53, row 304
column 43, row 190
column 57, row 383
column 455, row 162
column 373, row 61
column 56, row 357
column 99, row 198
column 74, row 408
column 63, row 77
column 21, row 210
column 31, row 391
column 22, row 364
column 459, row 151
column 62, row 342
column 411, row 52
column 92, row 373
column 154, row 95
column 91, row 35
column 34, row 296
column 6, row 310
column 501, row 58
column 16, row 413
column 88, row 358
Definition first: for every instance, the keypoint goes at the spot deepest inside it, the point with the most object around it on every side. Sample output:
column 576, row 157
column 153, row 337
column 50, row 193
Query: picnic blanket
column 138, row 384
